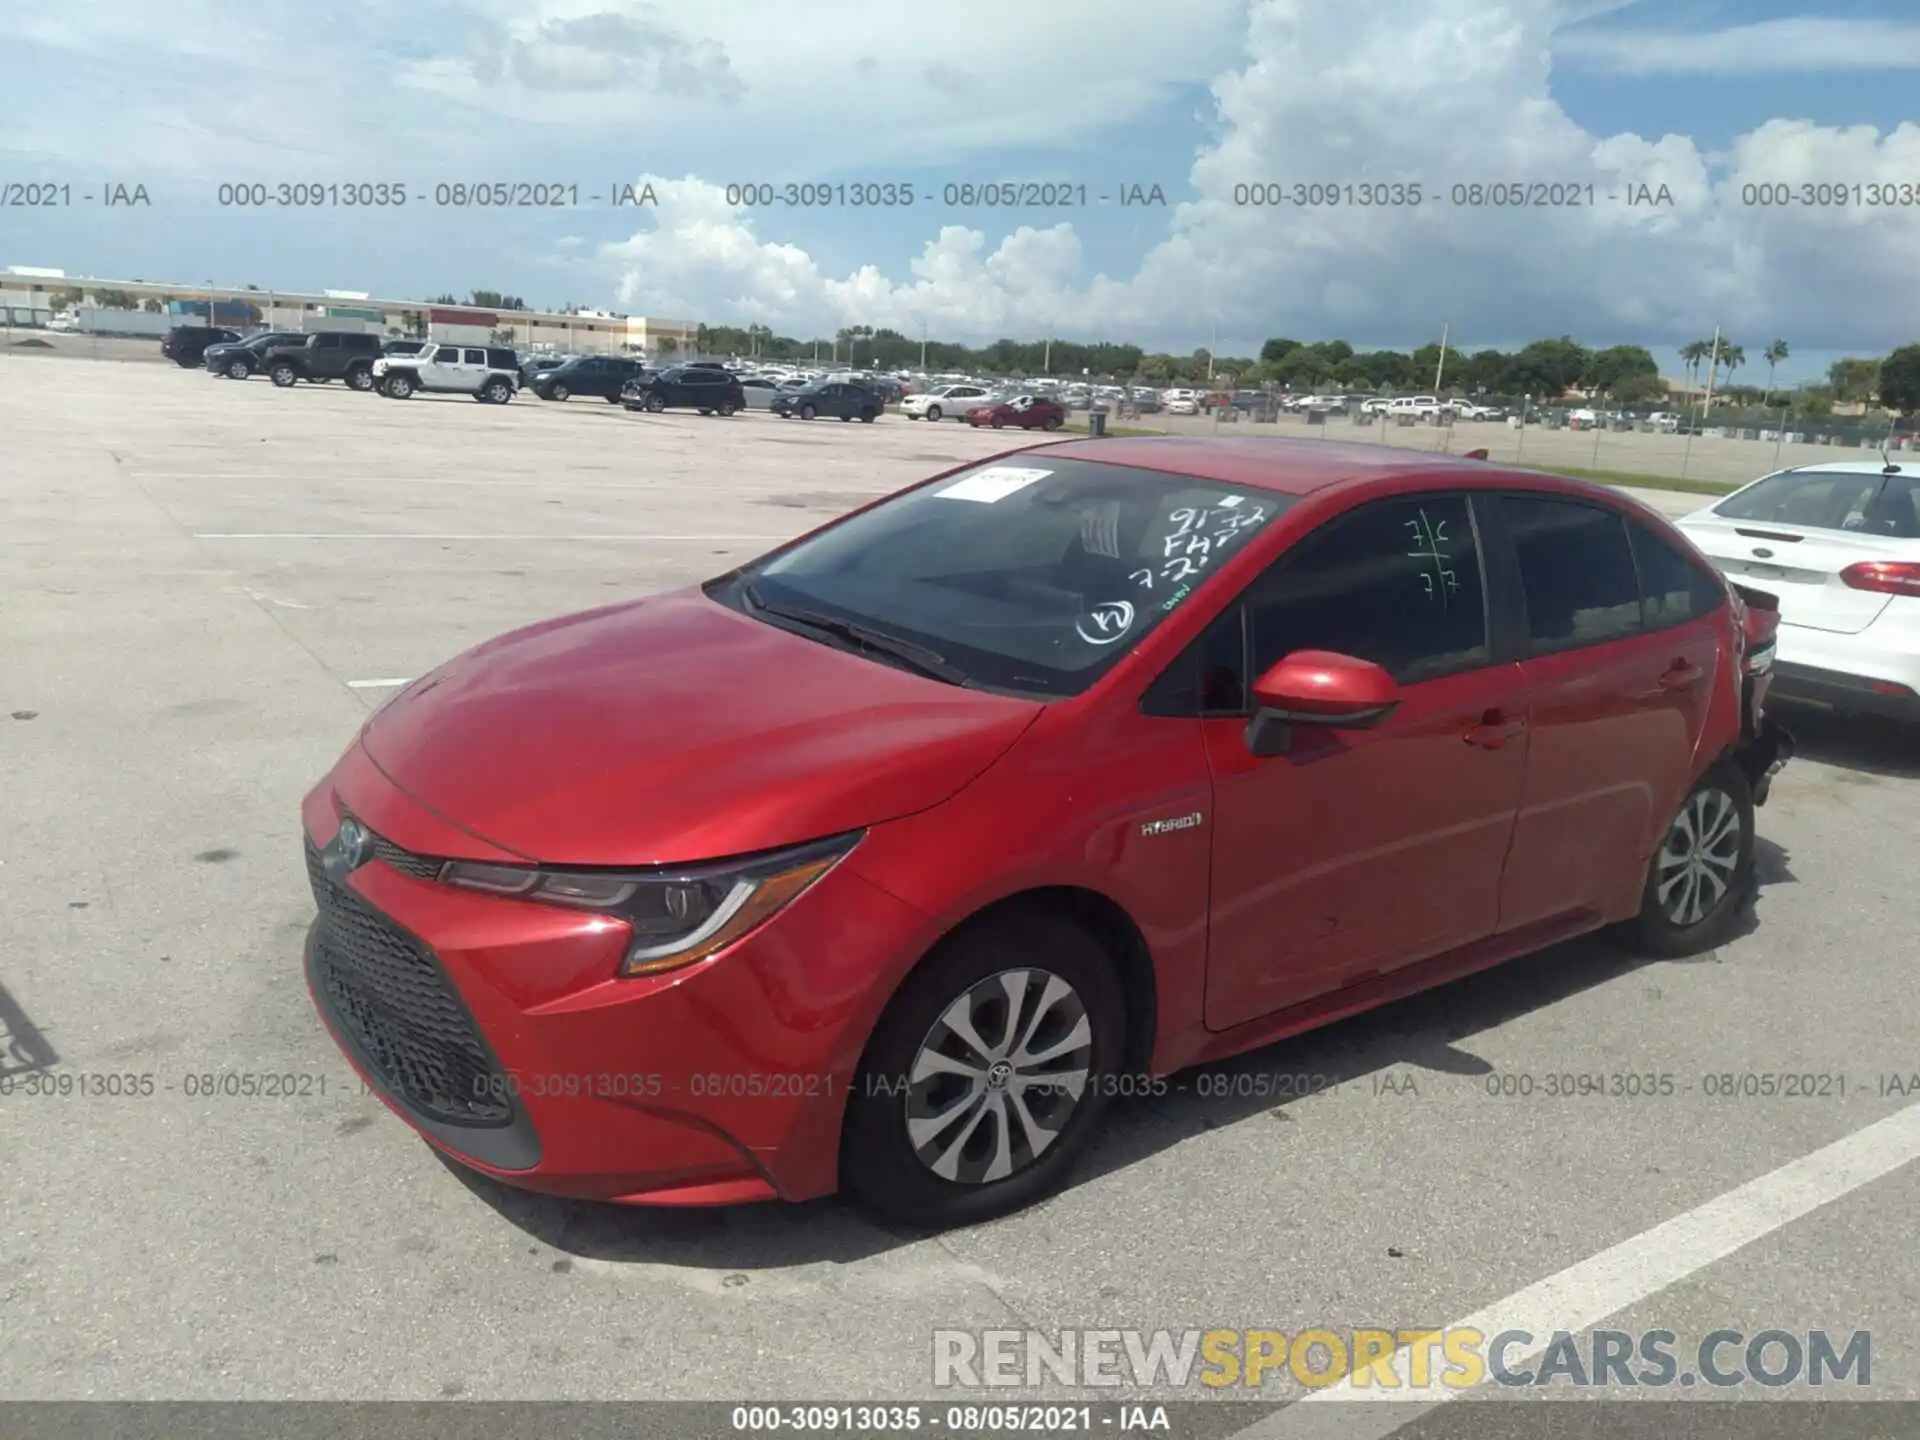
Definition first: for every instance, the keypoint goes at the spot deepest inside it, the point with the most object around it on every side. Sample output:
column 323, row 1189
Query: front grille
column 421, row 867
column 389, row 994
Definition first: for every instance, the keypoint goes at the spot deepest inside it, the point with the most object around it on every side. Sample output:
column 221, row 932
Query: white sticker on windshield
column 994, row 483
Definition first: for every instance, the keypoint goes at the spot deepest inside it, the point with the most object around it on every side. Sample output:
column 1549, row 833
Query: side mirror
column 1317, row 687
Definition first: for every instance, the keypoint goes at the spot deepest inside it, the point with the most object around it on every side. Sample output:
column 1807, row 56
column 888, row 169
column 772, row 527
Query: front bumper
column 719, row 1083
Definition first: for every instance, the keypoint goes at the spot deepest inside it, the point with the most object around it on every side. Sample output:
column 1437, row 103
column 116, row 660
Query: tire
column 613, row 399
column 238, row 369
column 655, row 404
column 359, row 378
column 845, row 418
column 399, row 387
column 912, row 416
column 496, row 392
column 283, row 375
column 191, row 364
column 1052, row 422
column 807, row 412
column 1681, row 910
column 867, row 417
column 880, row 1165
column 558, row 392
column 997, row 423
column 727, row 410
column 933, row 412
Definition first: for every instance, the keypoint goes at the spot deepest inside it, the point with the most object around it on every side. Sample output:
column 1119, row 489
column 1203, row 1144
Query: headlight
column 678, row 915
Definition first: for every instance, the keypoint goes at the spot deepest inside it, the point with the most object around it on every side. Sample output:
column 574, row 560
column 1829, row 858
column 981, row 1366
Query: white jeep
column 486, row 372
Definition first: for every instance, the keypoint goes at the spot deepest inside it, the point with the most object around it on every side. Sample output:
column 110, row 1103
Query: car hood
column 675, row 729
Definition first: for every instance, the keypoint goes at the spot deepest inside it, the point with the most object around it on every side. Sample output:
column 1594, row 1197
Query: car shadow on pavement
column 1864, row 744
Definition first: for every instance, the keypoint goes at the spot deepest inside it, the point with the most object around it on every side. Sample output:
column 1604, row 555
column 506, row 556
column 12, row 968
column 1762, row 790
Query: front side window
column 1033, row 579
column 1397, row 582
column 1576, row 571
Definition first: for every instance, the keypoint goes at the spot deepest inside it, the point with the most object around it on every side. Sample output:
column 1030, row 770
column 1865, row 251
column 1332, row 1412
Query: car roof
column 1875, row 466
column 1293, row 467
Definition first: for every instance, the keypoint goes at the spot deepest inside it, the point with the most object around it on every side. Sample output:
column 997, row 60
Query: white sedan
column 1182, row 405
column 944, row 402
column 1839, row 544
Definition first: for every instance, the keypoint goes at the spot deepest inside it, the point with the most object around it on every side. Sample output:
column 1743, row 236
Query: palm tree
column 1693, row 352
column 1732, row 357
column 1775, row 352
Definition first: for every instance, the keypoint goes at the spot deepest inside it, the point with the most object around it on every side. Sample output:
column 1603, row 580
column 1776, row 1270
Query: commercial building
column 31, row 295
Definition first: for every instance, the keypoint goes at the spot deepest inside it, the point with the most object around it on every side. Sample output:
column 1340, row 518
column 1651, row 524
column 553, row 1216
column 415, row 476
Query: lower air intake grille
column 389, row 993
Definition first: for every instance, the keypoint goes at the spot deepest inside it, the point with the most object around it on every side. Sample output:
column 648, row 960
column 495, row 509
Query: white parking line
column 1583, row 1295
column 347, row 535
column 377, row 684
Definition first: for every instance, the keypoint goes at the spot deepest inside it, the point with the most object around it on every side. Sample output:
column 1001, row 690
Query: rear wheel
column 867, row 417
column 807, row 412
column 1702, row 873
column 558, row 392
column 282, row 375
column 987, row 1074
column 1052, row 422
column 497, row 392
column 727, row 409
column 997, row 423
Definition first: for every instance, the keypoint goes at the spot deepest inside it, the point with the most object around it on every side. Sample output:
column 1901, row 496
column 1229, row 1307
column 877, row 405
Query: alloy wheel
column 1699, row 859
column 998, row 1076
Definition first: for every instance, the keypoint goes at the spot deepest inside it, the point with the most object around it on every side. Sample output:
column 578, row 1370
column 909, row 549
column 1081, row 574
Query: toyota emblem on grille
column 351, row 848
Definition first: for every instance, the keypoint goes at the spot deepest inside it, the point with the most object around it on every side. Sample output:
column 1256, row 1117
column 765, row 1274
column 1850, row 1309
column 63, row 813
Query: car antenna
column 1887, row 467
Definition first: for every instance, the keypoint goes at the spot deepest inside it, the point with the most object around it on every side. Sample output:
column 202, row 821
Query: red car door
column 1619, row 686
column 1359, row 851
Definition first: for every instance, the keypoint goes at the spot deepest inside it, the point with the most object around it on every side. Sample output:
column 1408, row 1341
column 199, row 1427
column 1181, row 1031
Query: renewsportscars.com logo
column 1406, row 1362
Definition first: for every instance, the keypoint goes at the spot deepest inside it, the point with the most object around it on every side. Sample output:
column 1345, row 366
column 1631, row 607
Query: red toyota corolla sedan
column 1024, row 412
column 883, row 862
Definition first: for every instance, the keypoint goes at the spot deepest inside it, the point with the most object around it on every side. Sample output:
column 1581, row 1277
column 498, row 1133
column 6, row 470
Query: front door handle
column 1680, row 673
column 1495, row 730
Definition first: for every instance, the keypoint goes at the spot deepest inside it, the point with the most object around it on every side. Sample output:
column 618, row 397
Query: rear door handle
column 1680, row 673
column 1495, row 730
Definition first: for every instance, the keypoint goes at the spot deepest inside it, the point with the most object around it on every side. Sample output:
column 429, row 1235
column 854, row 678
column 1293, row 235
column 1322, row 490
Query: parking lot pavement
column 203, row 587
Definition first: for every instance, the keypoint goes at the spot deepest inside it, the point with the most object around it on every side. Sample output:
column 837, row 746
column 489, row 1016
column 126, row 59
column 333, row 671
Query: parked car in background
column 943, row 402
column 835, row 813
column 603, row 377
column 710, row 389
column 486, row 372
column 759, row 391
column 1024, row 412
column 1839, row 545
column 841, row 399
column 1182, row 405
column 403, row 347
column 539, row 365
column 1472, row 410
column 187, row 345
column 1420, row 407
column 241, row 359
column 323, row 357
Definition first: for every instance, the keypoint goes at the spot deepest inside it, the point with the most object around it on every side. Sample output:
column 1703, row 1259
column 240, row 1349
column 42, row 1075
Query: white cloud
column 1426, row 91
column 1797, row 44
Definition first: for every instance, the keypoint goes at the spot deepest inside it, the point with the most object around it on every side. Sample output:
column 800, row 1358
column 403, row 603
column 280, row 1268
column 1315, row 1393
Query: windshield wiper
column 918, row 658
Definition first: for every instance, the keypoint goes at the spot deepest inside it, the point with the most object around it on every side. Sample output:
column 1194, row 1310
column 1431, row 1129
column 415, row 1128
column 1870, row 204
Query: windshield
column 1865, row 501
column 1034, row 579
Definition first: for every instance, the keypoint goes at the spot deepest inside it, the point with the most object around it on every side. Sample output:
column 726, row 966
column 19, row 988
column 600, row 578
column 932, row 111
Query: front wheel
column 997, row 423
column 558, row 392
column 867, row 417
column 987, row 1074
column 933, row 412
column 360, row 379
column 807, row 412
column 655, row 404
column 727, row 410
column 1052, row 422
column 1702, row 872
column 399, row 387
column 238, row 370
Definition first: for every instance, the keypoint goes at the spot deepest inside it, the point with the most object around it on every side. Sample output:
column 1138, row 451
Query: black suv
column 323, row 357
column 603, row 375
column 242, row 358
column 707, row 389
column 187, row 345
column 843, row 398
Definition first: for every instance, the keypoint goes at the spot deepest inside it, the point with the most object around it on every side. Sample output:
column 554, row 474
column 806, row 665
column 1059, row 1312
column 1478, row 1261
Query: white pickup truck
column 1421, row 407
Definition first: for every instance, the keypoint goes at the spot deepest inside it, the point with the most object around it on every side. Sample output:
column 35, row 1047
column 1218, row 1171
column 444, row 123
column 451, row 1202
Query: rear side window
column 1397, row 582
column 1673, row 589
column 503, row 360
column 1576, row 571
column 361, row 343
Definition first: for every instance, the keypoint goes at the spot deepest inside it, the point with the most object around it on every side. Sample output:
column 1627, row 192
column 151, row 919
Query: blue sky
column 1703, row 96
